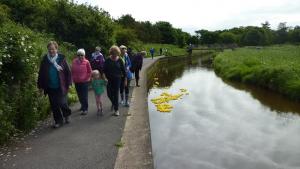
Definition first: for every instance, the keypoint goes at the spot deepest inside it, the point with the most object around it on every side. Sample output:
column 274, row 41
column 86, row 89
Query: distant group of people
column 114, row 72
column 161, row 51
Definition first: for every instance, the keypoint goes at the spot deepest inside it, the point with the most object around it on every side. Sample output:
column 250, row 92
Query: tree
column 193, row 40
column 127, row 21
column 282, row 33
column 266, row 25
column 227, row 38
column 4, row 14
column 253, row 37
column 125, row 37
column 147, row 32
column 83, row 25
column 208, row 37
column 166, row 31
column 294, row 35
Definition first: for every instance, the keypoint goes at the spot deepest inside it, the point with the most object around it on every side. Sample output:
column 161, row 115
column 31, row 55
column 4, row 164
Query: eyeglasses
column 80, row 55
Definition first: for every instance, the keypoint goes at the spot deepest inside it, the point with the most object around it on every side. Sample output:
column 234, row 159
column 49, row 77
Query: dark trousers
column 125, row 89
column 59, row 105
column 113, row 87
column 82, row 90
column 122, row 88
column 137, row 74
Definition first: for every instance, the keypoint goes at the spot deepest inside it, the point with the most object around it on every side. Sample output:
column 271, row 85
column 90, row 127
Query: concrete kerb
column 136, row 152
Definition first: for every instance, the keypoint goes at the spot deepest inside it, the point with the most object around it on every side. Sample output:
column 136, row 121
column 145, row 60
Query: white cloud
column 206, row 14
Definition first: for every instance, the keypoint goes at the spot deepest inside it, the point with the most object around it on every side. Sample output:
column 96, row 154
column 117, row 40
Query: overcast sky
column 191, row 15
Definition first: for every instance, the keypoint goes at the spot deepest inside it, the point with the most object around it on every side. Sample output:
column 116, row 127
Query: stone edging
column 137, row 150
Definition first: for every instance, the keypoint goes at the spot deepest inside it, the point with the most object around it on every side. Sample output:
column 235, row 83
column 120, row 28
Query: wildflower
column 1, row 63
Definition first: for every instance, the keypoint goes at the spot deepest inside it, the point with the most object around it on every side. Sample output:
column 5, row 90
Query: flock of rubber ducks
column 162, row 102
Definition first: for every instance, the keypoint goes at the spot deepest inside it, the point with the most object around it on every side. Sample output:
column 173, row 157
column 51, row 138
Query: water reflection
column 219, row 125
column 274, row 101
column 169, row 69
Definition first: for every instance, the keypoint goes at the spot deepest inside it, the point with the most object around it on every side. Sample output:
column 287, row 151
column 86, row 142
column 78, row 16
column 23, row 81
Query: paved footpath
column 87, row 142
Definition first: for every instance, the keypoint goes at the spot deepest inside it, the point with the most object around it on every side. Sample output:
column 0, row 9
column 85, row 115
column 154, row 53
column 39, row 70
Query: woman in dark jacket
column 137, row 66
column 54, row 79
column 114, row 70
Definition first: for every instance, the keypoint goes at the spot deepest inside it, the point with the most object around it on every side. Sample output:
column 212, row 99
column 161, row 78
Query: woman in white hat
column 81, row 74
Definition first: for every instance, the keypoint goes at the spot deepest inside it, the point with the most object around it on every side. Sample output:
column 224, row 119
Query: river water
column 220, row 125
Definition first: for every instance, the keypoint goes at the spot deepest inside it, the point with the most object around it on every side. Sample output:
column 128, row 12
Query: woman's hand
column 125, row 82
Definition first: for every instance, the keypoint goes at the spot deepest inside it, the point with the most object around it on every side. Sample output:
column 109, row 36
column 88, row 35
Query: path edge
column 136, row 152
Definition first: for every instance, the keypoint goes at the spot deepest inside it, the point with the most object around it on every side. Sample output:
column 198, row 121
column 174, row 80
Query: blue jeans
column 82, row 90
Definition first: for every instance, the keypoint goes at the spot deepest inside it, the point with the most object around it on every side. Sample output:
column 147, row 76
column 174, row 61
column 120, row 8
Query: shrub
column 21, row 104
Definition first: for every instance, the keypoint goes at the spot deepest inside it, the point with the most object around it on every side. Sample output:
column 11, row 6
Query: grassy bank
column 276, row 68
column 169, row 50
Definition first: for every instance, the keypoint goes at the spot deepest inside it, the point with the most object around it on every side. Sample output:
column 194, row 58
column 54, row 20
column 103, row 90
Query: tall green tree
column 282, row 33
column 167, row 32
column 227, row 38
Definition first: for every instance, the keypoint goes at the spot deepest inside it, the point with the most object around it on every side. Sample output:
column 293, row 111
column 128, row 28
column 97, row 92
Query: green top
column 98, row 86
column 54, row 82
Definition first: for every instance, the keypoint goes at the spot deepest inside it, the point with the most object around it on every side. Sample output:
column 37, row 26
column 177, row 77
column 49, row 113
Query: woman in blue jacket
column 124, row 88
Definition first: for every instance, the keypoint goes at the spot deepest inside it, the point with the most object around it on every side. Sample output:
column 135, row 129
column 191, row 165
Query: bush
column 125, row 37
column 21, row 104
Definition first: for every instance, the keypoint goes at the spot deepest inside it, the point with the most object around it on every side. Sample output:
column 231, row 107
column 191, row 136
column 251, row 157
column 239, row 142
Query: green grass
column 172, row 50
column 119, row 144
column 275, row 67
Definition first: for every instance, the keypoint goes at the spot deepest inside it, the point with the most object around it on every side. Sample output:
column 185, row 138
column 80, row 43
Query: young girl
column 98, row 84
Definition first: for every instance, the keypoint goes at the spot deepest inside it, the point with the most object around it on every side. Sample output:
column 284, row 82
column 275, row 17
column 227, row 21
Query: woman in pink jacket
column 81, row 74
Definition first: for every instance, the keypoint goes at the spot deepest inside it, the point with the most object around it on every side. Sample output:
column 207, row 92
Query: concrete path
column 87, row 142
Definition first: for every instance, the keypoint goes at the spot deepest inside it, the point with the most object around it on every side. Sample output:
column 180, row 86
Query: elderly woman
column 125, row 88
column 114, row 70
column 54, row 79
column 81, row 73
column 97, row 60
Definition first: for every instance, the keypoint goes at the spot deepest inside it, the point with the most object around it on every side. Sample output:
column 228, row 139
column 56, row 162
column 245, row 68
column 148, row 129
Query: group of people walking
column 113, row 73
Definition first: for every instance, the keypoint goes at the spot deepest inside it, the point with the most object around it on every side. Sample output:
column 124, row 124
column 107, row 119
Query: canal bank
column 135, row 150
